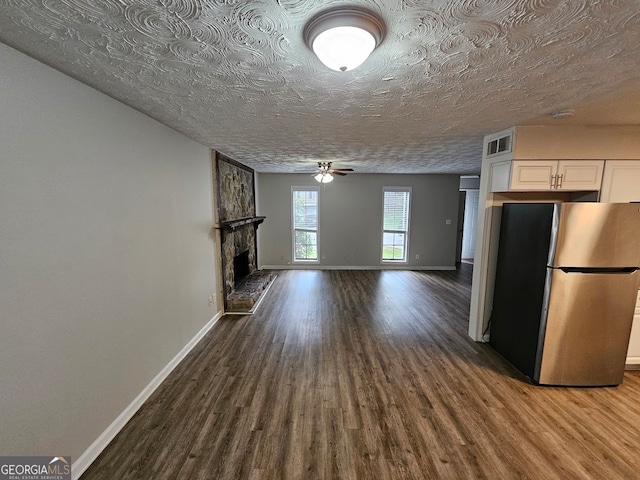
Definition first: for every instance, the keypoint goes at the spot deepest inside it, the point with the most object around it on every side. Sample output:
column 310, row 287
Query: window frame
column 293, row 225
column 406, row 232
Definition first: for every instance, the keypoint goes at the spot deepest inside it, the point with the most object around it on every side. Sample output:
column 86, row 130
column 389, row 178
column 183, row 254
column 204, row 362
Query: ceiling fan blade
column 324, row 168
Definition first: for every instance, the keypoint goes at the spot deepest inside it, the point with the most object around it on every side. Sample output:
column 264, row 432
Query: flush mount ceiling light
column 343, row 38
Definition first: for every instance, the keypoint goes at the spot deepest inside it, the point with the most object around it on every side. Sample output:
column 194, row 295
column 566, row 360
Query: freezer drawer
column 586, row 328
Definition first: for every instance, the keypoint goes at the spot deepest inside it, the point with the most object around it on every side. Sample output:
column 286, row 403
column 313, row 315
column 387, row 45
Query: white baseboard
column 633, row 361
column 91, row 453
column 316, row 266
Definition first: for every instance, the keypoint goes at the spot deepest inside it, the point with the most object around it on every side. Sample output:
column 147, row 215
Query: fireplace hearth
column 246, row 296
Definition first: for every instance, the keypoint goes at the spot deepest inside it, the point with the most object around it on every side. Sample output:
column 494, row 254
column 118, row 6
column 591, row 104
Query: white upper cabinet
column 547, row 175
column 531, row 175
column 579, row 175
column 621, row 181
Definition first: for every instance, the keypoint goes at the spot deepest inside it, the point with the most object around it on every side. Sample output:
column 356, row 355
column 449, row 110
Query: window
column 305, row 224
column 395, row 224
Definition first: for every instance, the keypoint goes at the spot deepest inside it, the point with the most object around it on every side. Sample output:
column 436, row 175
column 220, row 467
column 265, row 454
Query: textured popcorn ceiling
column 236, row 75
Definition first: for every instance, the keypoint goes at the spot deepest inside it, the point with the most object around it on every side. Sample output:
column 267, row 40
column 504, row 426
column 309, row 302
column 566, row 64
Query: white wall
column 351, row 219
column 106, row 259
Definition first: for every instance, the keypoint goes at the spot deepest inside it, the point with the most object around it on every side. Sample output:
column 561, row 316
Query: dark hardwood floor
column 368, row 375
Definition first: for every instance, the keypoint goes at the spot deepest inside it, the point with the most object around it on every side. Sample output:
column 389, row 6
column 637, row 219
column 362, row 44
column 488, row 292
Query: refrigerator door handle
column 599, row 270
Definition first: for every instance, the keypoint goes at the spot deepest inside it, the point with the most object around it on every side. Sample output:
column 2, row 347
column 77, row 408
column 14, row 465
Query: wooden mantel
column 235, row 224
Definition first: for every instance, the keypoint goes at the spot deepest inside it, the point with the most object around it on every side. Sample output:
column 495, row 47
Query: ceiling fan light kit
column 343, row 38
column 325, row 172
column 324, row 177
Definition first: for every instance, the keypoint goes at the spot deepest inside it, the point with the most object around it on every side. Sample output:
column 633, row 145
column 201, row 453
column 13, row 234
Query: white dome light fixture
column 343, row 38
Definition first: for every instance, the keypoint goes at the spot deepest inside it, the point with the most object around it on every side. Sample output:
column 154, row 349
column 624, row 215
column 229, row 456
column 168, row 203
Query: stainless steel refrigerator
column 567, row 278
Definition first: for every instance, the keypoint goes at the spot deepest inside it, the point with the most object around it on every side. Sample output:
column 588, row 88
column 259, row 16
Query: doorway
column 462, row 195
column 470, row 225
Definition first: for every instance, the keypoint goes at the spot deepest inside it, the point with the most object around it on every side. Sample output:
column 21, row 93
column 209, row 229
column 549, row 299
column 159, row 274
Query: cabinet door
column 621, row 181
column 529, row 175
column 579, row 174
column 500, row 176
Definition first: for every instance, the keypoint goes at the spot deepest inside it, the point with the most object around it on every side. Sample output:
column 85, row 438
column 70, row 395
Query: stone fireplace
column 237, row 224
column 236, row 242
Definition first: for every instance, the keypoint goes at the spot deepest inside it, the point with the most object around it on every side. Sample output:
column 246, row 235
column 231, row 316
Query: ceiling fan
column 325, row 173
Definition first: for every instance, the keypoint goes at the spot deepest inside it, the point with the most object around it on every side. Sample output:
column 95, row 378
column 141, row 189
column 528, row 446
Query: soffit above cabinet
column 543, row 142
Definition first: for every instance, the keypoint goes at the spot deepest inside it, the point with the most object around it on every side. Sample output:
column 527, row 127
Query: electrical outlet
column 447, row 221
column 211, row 300
column 417, row 256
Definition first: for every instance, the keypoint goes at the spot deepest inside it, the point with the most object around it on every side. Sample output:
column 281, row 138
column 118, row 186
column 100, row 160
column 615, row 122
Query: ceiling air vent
column 499, row 145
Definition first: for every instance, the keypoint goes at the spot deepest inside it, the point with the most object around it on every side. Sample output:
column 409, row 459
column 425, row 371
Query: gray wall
column 106, row 260
column 351, row 219
column 470, row 182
